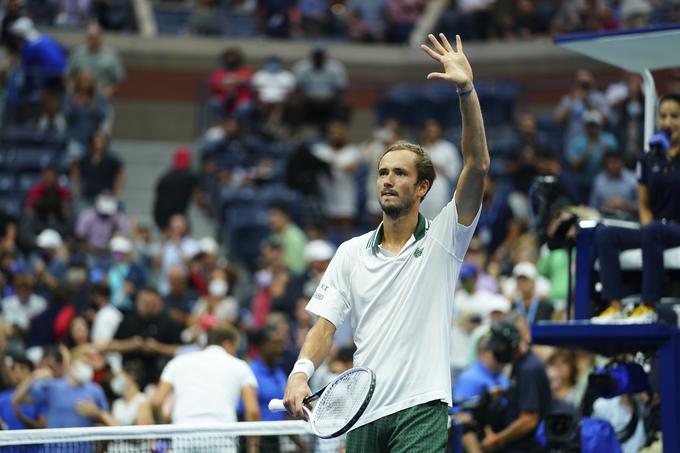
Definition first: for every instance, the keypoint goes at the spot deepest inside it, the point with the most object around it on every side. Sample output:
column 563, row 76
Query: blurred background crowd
column 90, row 289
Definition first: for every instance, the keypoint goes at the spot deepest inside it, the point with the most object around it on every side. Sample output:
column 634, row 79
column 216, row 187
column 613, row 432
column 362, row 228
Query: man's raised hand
column 456, row 66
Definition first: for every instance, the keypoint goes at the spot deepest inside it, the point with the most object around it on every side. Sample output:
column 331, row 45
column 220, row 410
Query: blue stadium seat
column 171, row 21
column 239, row 25
column 7, row 183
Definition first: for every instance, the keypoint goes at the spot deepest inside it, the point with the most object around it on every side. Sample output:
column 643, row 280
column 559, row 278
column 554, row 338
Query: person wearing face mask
column 214, row 309
column 125, row 276
column 529, row 396
column 71, row 401
column 132, row 407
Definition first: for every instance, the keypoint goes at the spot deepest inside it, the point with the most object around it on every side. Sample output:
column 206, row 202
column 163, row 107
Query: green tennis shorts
column 421, row 428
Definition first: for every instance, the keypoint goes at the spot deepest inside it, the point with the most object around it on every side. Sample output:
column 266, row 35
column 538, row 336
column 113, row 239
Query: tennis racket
column 339, row 404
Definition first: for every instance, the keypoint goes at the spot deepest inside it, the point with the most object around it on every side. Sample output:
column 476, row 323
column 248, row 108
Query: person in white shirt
column 132, row 407
column 23, row 305
column 446, row 160
column 396, row 285
column 273, row 85
column 209, row 383
column 177, row 249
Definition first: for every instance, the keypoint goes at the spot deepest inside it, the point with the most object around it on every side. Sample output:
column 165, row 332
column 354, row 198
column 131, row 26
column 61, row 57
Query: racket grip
column 277, row 406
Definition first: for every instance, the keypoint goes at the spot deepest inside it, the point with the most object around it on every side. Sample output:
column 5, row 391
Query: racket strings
column 341, row 401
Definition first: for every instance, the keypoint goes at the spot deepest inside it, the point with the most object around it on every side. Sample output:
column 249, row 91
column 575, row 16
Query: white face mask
column 82, row 372
column 218, row 288
column 119, row 384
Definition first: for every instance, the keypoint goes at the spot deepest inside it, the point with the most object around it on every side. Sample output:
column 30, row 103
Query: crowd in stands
column 95, row 304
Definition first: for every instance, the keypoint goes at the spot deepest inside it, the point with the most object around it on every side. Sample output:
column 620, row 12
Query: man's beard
column 396, row 211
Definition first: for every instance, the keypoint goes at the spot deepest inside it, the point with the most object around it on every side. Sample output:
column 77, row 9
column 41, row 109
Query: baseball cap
column 120, row 244
column 592, row 117
column 468, row 270
column 48, row 239
column 208, row 246
column 182, row 158
column 526, row 269
column 318, row 250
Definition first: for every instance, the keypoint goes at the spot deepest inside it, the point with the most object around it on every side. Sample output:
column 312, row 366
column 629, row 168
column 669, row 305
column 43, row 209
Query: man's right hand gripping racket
column 338, row 405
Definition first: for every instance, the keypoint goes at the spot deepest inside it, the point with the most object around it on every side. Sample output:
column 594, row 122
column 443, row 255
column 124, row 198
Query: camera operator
column 482, row 383
column 658, row 173
column 529, row 397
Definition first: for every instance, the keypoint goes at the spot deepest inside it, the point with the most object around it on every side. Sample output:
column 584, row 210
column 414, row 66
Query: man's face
column 93, row 38
column 669, row 119
column 149, row 304
column 525, row 286
column 398, row 189
column 613, row 166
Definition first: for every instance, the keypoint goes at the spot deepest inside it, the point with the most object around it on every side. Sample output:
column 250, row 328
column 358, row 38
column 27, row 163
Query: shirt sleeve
column 528, row 392
column 39, row 392
column 100, row 398
column 248, row 377
column 451, row 234
column 169, row 372
column 331, row 300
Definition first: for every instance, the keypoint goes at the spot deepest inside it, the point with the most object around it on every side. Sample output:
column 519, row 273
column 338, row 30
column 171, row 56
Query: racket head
column 342, row 403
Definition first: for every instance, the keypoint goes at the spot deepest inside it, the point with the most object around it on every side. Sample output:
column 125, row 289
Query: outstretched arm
column 457, row 70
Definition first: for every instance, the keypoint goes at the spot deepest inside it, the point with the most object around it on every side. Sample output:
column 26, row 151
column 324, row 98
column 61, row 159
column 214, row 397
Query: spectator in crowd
column 131, row 407
column 51, row 122
column 48, row 206
column 230, row 86
column 499, row 226
column 73, row 13
column 215, row 309
column 86, row 114
column 626, row 100
column 476, row 17
column 147, row 335
column 584, row 97
column 101, row 60
column 274, row 17
column 373, row 150
column 290, row 235
column 529, row 396
column 321, row 83
column 98, row 224
column 527, row 143
column 400, row 17
column 98, row 171
column 205, row 19
column 586, row 150
column 447, row 165
column 338, row 189
column 125, row 276
column 49, row 263
column 563, row 374
column 273, row 85
column 24, row 305
column 659, row 213
column 272, row 280
column 180, row 299
column 635, row 13
column 315, row 17
column 366, row 20
column 485, row 375
column 26, row 415
column 615, row 187
column 175, row 189
column 208, row 384
column 77, row 333
column 528, row 304
column 71, row 401
column 13, row 10
column 271, row 378
column 42, row 58
column 177, row 249
column 107, row 317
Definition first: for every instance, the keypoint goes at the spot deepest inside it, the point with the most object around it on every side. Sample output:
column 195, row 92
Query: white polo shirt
column 401, row 307
column 207, row 385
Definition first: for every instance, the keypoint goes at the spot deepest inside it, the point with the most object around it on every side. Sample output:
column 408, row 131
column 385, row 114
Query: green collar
column 419, row 233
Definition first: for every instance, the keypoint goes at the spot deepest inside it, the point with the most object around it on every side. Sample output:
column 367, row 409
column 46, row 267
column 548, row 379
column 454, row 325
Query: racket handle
column 277, row 406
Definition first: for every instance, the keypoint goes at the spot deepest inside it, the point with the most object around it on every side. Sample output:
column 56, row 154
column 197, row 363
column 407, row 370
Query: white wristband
column 305, row 366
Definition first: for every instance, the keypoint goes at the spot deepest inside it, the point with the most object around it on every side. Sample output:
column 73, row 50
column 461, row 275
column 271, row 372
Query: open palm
column 456, row 66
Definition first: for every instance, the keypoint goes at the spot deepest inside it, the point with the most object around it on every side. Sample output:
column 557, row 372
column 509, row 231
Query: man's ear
column 423, row 187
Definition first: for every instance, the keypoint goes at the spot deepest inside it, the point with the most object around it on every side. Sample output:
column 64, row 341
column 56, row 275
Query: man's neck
column 397, row 232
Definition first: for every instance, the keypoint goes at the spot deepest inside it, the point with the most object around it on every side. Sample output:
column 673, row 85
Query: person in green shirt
column 291, row 236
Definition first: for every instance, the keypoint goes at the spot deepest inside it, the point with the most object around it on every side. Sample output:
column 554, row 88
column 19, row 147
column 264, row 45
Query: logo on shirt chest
column 418, row 252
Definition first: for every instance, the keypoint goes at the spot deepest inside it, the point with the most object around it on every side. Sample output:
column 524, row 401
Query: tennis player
column 396, row 285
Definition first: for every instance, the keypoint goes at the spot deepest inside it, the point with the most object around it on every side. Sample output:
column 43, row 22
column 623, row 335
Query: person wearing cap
column 49, row 262
column 527, row 302
column 615, row 187
column 529, row 396
column 585, row 151
column 43, row 58
column 396, row 284
column 291, row 236
column 98, row 224
column 125, row 276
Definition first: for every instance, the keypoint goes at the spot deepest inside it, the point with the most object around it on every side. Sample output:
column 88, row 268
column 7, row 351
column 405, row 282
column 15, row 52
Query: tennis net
column 246, row 437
